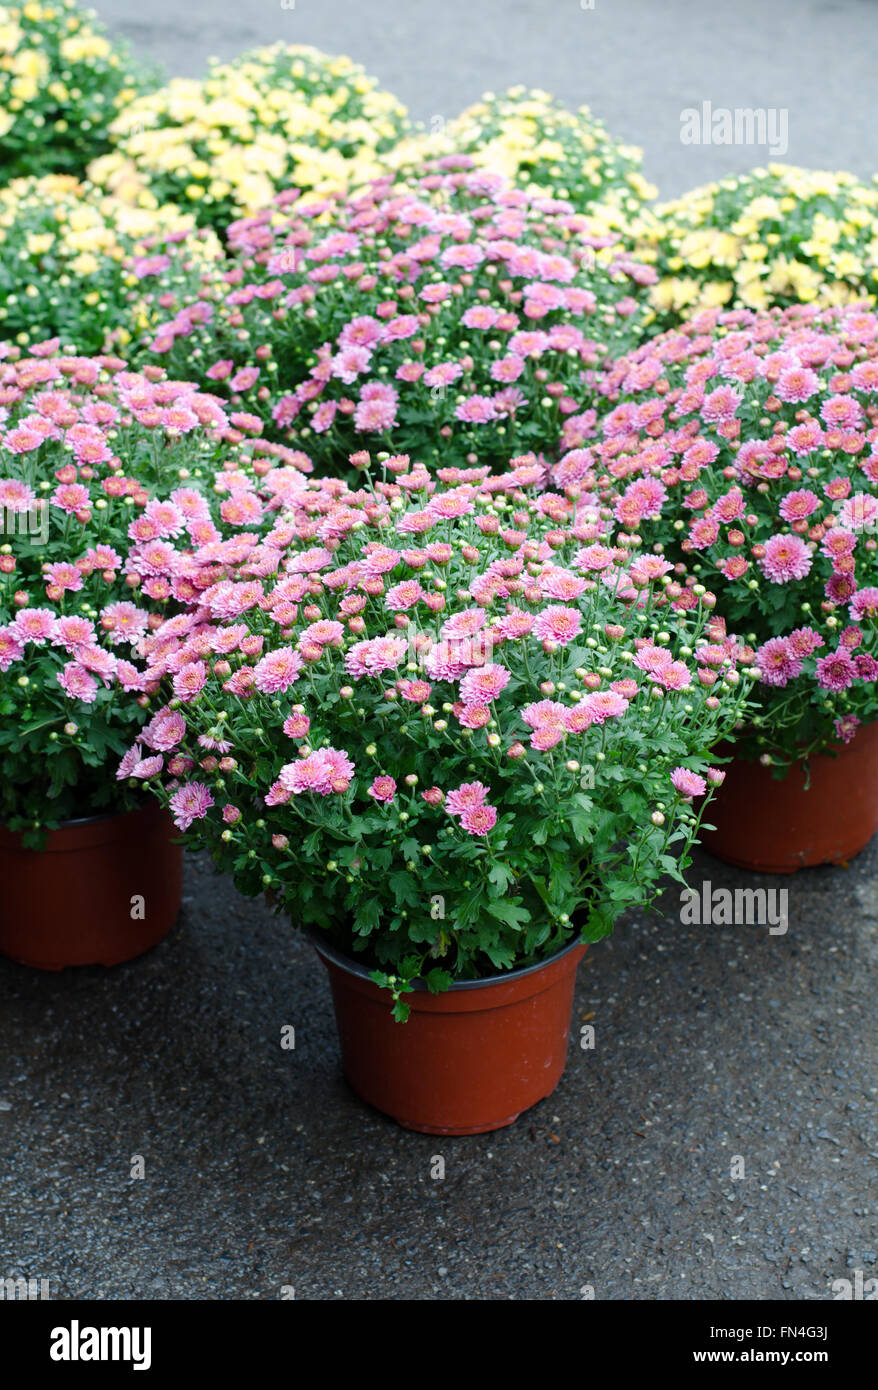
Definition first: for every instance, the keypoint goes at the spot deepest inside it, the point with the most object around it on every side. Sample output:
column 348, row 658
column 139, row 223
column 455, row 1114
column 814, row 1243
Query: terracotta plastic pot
column 778, row 827
column 104, row 890
column 467, row 1060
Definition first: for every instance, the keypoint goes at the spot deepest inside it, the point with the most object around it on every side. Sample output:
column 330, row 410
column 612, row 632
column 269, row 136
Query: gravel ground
column 637, row 63
column 262, row 1170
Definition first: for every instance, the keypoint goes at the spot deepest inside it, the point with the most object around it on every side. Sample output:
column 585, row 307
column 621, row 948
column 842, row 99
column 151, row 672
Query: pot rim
column 93, row 820
column 353, row 967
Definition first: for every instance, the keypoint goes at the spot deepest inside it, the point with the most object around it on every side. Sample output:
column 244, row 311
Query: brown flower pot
column 103, row 890
column 778, row 827
column 467, row 1060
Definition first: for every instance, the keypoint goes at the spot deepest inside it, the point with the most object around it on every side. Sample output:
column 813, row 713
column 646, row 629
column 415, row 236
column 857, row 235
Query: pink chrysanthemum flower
column 364, row 331
column 77, row 683
column 652, row 659
column 148, row 767
column 578, row 719
column 190, row 680
column 277, row 671
column 467, row 797
column 166, row 730
column 376, row 414
column 326, row 632
column 687, row 783
column 476, row 410
column 383, row 789
column 418, row 692
column 836, row 671
column 544, row 712
column 71, row 498
column 16, row 496
column 798, row 504
column 720, row 405
column 348, row 364
column 484, row 684
column 479, row 820
column 123, row 622
column 645, row 569
column 73, row 632
column 864, row 604
column 675, row 676
column 403, row 596
column 63, row 576
column 561, row 584
column 546, row 736
column 840, row 588
column 804, row 438
column 514, row 625
column 472, row 716
column 594, row 557
column 859, row 511
column 296, row 725
column 129, row 762
column 785, row 558
column 101, row 663
column 802, row 641
column 190, row 803
column 450, row 504
column 464, row 624
column 797, row 384
column 730, row 507
column 846, row 727
column 703, row 532
column 322, row 772
column 35, row 625
column 777, row 663
column 842, row 412
column 604, row 704
column 480, row 316
column 507, row 369
column 558, row 624
column 375, row 655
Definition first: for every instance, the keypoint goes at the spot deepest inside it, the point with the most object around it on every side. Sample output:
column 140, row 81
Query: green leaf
column 500, row 875
column 510, row 911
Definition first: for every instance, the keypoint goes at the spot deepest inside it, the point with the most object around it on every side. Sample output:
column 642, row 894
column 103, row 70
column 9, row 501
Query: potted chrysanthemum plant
column 459, row 320
column 748, row 446
column 103, row 474
column 768, row 239
column 454, row 733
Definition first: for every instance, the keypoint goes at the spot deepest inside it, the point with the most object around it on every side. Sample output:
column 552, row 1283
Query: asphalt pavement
column 718, row 1051
column 637, row 63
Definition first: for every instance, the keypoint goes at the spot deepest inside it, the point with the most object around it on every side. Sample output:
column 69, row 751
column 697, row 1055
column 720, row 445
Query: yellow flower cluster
column 532, row 139
column 72, row 262
column 276, row 117
column 776, row 236
column 61, row 83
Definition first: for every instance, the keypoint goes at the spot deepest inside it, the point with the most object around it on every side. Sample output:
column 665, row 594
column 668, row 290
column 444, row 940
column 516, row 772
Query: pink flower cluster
column 425, row 622
column 748, row 445
column 107, row 485
column 438, row 313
